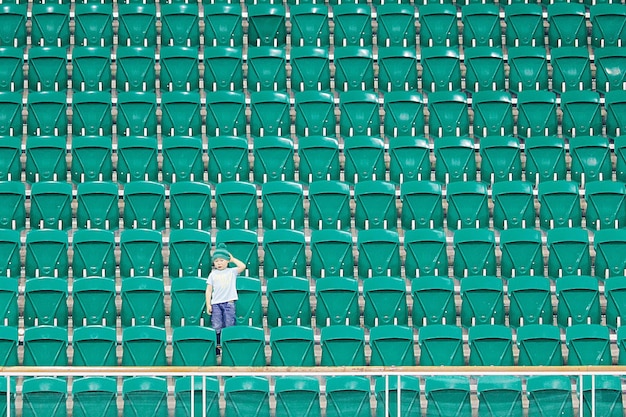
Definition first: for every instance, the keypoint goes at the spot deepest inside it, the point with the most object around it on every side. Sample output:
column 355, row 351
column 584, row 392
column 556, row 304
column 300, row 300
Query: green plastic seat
column 50, row 25
column 247, row 396
column 493, row 116
column 481, row 25
column 398, row 396
column 9, row 312
column 223, row 69
column 500, row 159
column 591, row 159
column 190, row 388
column 91, row 158
column 193, row 346
column 94, row 24
column 144, row 205
column 190, row 205
column 448, row 396
column 614, row 292
column 97, row 206
column 524, row 25
column 143, row 345
column 243, row 245
column 438, row 25
column 94, row 302
column 13, row 23
column 180, row 25
column 12, row 205
column 545, row 158
column 46, row 114
column 549, row 396
column 571, row 68
column 409, row 160
column 375, row 205
column 94, row 345
column 528, row 68
column 337, row 302
column 582, row 114
column 396, row 25
column 181, row 113
column 142, row 302
column 236, row 205
column 441, row 345
column 189, row 253
column 359, row 113
column 266, row 25
column 145, row 395
column 384, row 302
column 309, row 25
column 319, row 159
column 606, row 399
column 297, row 396
column 179, row 68
column 243, row 346
column 331, row 254
column 248, row 309
column 45, row 346
column 500, row 396
column 433, row 301
column 226, row 113
column 352, row 25
column 329, row 205
column 269, row 114
column 92, row 114
column 578, row 300
column 619, row 150
column 284, row 253
column 426, row 253
column 567, row 25
column 513, row 204
column 560, row 204
column 8, row 350
column 141, row 253
column 228, row 159
column 378, row 251
column 392, row 345
column 137, row 159
column 91, row 68
column 94, row 396
column 607, row 25
column 422, row 205
column 474, row 253
column 282, row 205
column 441, row 69
column 223, row 25
column 364, row 159
column 609, row 79
column 467, row 205
column 403, row 114
column 136, row 116
column 485, row 67
column 568, row 252
column 354, row 68
column 182, row 159
column 46, row 254
column 315, row 113
column 615, row 102
column 44, row 397
column 267, row 69
column 342, row 346
column 448, row 114
column 522, row 252
column 137, row 25
column 273, row 159
column 490, row 345
column 12, row 63
column 397, row 69
column 482, row 301
column 588, row 344
column 292, row 345
column 10, row 154
column 348, row 396
column 310, row 68
column 530, row 301
column 45, row 302
column 539, row 345
column 537, row 113
column 135, row 69
column 288, row 302
column 609, row 256
column 10, row 245
column 455, row 159
column 605, row 204
column 188, row 306
column 46, row 159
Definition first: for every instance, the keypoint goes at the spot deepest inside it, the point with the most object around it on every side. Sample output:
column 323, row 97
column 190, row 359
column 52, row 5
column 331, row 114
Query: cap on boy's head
column 220, row 253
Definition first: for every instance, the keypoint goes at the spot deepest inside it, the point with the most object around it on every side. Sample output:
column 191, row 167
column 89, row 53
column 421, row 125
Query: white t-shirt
column 224, row 285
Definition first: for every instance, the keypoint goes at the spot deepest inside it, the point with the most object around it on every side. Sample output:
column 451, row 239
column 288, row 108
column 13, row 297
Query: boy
column 221, row 290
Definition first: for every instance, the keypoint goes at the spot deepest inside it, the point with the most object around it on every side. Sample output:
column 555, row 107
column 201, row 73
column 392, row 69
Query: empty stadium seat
column 433, row 301
column 392, row 345
column 94, row 395
column 441, row 345
column 318, row 159
column 493, row 114
column 273, row 159
column 94, row 24
column 403, row 114
column 223, row 25
column 397, row 69
column 144, row 205
column 12, row 205
column 513, row 203
column 309, row 25
column 481, row 25
column 310, row 68
column 500, row 394
column 266, row 25
column 530, row 301
column 539, row 345
column 522, row 252
column 141, row 253
column 566, row 25
column 13, row 25
column 8, row 303
column 92, row 158
column 94, row 302
column 142, row 302
column 448, row 395
column 364, row 159
column 347, row 395
column 145, row 395
column 528, row 68
column 375, row 205
column 45, row 346
column 46, row 160
column 607, row 393
column 588, row 344
column 545, row 158
column 50, row 25
column 292, row 345
column 467, row 205
column 246, row 395
column 559, row 204
column 47, row 114
column 396, row 25
column 482, row 301
column 181, row 113
column 441, row 69
column 188, row 389
column 578, row 301
column 571, row 69
column 46, row 254
column 426, row 253
column 189, row 253
column 609, row 259
column 299, row 395
column 352, row 25
column 193, row 346
column 188, row 306
column 12, row 72
column 44, row 396
column 182, row 159
column 45, row 302
column 248, row 308
column 94, row 345
column 135, row 69
column 91, row 114
column 223, row 69
column 228, row 159
column 315, row 114
column 179, row 25
column 384, row 302
column 331, row 254
column 605, row 204
column 337, row 302
column 136, row 116
column 474, row 253
column 283, row 205
column 568, row 252
column 10, row 153
column 269, row 114
column 266, row 69
column 288, row 302
column 10, row 245
column 490, row 345
column 329, row 205
column 438, row 25
column 455, row 159
column 137, row 159
column 378, row 253
column 342, row 346
column 179, row 68
column 143, row 345
column 137, row 25
column 243, row 346
column 354, row 68
column 359, row 114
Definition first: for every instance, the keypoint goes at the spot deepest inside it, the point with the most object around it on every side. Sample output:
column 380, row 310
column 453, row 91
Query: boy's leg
column 217, row 322
column 228, row 315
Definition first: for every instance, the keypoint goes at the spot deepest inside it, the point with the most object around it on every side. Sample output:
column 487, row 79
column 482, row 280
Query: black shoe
column 218, row 351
